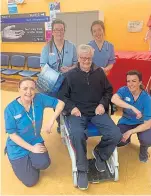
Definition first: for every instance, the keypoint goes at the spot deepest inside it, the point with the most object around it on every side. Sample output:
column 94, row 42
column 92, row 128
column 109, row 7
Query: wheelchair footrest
column 94, row 176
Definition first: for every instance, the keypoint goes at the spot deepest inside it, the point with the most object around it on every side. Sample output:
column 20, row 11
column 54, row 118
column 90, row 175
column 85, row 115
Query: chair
column 93, row 175
column 4, row 62
column 15, row 61
column 34, row 63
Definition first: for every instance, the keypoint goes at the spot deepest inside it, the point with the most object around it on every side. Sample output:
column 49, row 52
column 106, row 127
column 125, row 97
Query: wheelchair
column 112, row 165
column 47, row 85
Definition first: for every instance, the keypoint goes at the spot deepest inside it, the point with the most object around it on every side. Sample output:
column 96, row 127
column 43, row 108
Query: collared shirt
column 17, row 121
column 104, row 56
column 143, row 104
column 67, row 57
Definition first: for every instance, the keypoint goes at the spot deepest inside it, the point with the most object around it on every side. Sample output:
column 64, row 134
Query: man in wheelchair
column 87, row 94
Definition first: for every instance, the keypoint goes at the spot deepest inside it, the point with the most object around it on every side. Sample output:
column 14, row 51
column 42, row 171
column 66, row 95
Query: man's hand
column 9, row 33
column 49, row 126
column 64, row 69
column 137, row 112
column 126, row 135
column 76, row 112
column 100, row 110
column 38, row 148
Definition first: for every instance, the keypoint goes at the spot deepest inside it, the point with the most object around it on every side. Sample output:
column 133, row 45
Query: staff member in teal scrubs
column 23, row 121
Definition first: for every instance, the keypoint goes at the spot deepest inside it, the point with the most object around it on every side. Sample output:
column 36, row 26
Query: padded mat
column 94, row 176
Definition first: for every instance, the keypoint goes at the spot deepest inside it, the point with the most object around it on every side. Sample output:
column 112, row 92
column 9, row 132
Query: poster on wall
column 48, row 31
column 29, row 32
column 12, row 7
column 54, row 7
column 135, row 26
column 23, row 27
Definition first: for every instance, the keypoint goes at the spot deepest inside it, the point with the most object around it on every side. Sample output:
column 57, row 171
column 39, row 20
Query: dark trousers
column 110, row 133
column 143, row 137
column 27, row 169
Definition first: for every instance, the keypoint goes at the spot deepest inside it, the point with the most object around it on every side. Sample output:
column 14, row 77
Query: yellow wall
column 117, row 13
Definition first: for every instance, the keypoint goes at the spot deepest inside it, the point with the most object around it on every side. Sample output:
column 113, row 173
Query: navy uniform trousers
column 110, row 133
column 27, row 168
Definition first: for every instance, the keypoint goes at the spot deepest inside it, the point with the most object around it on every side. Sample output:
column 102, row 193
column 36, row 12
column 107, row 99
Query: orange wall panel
column 117, row 14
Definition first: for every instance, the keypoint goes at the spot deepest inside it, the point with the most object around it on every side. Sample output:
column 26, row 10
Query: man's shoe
column 143, row 154
column 82, row 180
column 99, row 163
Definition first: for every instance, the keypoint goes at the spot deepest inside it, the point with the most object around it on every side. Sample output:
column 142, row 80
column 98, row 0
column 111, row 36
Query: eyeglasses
column 86, row 58
column 58, row 30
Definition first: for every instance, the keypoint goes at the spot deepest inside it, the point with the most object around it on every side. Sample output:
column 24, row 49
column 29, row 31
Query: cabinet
column 78, row 25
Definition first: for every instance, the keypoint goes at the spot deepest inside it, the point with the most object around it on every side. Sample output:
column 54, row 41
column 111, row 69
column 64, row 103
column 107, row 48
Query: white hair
column 84, row 48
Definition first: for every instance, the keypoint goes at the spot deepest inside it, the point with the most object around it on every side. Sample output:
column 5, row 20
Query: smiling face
column 133, row 83
column 97, row 32
column 58, row 32
column 27, row 90
column 85, row 60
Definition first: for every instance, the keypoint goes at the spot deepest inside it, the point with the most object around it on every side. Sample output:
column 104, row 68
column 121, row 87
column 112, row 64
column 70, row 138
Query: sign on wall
column 135, row 26
column 23, row 27
column 29, row 32
column 24, row 15
column 12, row 7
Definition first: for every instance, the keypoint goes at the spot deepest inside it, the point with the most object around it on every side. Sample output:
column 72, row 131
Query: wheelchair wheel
column 116, row 174
column 74, row 176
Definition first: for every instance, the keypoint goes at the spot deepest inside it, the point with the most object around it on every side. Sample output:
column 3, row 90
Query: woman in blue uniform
column 58, row 53
column 25, row 146
column 136, row 118
column 103, row 50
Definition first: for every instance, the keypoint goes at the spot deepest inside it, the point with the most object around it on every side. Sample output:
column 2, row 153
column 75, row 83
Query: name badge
column 18, row 116
column 127, row 99
column 52, row 54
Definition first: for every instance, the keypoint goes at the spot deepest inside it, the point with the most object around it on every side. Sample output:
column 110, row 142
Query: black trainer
column 143, row 154
column 99, row 163
column 82, row 180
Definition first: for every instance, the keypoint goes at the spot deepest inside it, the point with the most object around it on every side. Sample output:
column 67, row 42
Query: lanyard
column 60, row 55
column 32, row 120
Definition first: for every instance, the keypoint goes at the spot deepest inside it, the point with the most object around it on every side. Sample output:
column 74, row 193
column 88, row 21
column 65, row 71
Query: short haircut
column 138, row 74
column 83, row 48
column 26, row 79
column 135, row 72
column 98, row 22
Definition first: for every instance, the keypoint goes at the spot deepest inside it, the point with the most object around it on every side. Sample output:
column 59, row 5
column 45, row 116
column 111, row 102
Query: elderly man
column 87, row 93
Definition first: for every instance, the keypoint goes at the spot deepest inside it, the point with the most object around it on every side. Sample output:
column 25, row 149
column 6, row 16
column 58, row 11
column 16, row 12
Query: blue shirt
column 67, row 57
column 105, row 56
column 17, row 121
column 143, row 104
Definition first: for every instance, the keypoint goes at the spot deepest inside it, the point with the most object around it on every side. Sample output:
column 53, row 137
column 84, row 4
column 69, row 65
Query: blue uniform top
column 143, row 104
column 17, row 121
column 105, row 56
column 54, row 59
